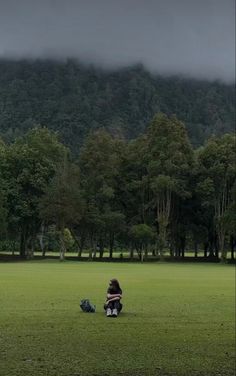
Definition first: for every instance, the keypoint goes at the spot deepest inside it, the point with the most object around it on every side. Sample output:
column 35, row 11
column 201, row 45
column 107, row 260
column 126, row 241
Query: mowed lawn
column 178, row 319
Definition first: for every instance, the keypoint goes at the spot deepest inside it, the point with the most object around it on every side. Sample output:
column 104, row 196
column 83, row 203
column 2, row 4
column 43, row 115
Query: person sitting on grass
column 113, row 305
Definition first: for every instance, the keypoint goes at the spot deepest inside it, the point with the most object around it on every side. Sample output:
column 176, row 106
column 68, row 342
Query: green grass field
column 178, row 319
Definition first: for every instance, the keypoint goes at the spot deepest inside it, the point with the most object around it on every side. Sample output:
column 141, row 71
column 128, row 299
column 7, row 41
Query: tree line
column 153, row 196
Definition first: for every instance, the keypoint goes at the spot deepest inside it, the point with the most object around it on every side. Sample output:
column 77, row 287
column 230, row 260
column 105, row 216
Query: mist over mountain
column 186, row 37
column 74, row 99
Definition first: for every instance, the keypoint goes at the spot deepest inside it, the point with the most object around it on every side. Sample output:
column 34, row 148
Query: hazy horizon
column 183, row 37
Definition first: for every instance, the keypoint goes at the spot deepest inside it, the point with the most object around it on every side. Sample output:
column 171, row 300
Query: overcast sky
column 191, row 37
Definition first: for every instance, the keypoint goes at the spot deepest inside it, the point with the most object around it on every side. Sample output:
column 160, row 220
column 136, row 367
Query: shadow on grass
column 100, row 313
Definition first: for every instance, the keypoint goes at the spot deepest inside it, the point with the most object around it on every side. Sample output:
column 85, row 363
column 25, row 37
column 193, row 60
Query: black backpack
column 86, row 306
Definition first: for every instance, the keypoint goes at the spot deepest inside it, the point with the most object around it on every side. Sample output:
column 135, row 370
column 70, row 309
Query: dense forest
column 152, row 196
column 75, row 99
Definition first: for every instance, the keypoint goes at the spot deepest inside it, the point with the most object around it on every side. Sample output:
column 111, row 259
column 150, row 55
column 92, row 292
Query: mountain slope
column 74, row 99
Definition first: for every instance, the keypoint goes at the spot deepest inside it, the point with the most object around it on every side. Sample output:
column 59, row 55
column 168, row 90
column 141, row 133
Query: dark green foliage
column 3, row 190
column 74, row 99
column 142, row 235
column 151, row 193
column 29, row 164
column 62, row 203
column 217, row 171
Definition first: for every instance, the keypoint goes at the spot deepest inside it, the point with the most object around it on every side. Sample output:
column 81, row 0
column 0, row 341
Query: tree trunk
column 101, row 248
column 111, row 251
column 141, row 253
column 162, row 238
column 30, row 248
column 211, row 251
column 177, row 249
column 111, row 245
column 232, row 244
column 206, row 246
column 90, row 253
column 62, row 246
column 131, row 252
column 81, row 246
column 171, row 249
column 163, row 214
column 216, row 246
column 22, row 246
column 182, row 245
column 195, row 249
column 23, row 242
column 92, row 250
column 222, row 248
column 146, row 253
column 80, row 243
column 41, row 240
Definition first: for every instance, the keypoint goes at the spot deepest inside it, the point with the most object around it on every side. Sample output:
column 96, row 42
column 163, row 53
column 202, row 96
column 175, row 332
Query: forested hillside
column 74, row 99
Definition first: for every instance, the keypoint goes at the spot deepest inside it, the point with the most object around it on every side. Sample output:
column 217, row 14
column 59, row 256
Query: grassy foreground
column 178, row 319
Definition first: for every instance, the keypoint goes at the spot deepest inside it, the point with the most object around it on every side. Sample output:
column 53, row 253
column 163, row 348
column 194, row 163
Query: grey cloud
column 190, row 37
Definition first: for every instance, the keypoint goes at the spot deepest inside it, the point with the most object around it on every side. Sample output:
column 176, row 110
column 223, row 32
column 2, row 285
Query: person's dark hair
column 114, row 282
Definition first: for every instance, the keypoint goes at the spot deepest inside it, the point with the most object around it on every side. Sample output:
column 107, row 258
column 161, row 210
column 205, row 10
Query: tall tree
column 3, row 190
column 217, row 179
column 133, row 187
column 62, row 202
column 100, row 165
column 142, row 235
column 170, row 160
column 31, row 162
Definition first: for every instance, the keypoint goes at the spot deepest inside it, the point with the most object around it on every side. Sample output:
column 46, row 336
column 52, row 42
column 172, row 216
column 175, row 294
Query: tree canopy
column 154, row 195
